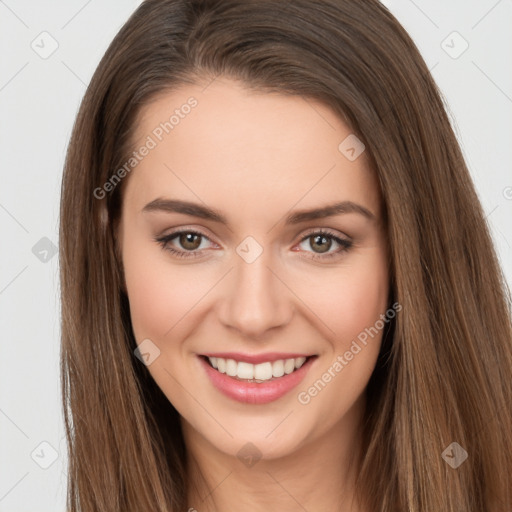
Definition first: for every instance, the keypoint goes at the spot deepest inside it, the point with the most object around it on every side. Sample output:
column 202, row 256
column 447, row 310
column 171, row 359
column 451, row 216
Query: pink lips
column 253, row 392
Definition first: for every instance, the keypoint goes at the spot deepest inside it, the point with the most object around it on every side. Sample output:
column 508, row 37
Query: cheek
column 352, row 305
column 353, row 299
column 159, row 293
column 364, row 299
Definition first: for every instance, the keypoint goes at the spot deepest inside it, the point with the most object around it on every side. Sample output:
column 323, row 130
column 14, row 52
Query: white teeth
column 299, row 361
column 263, row 371
column 278, row 368
column 245, row 370
column 260, row 372
column 231, row 367
column 289, row 366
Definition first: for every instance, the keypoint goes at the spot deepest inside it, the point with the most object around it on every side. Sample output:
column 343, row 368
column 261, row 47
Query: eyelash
column 164, row 241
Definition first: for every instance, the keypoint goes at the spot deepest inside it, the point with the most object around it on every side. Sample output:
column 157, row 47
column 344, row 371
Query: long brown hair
column 444, row 372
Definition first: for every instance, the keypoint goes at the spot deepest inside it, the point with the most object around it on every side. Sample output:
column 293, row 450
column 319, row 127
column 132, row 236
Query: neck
column 319, row 475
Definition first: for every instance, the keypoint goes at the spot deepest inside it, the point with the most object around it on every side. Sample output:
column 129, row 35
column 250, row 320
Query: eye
column 323, row 241
column 190, row 240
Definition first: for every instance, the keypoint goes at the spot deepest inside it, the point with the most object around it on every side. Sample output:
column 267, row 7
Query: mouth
column 266, row 371
column 266, row 379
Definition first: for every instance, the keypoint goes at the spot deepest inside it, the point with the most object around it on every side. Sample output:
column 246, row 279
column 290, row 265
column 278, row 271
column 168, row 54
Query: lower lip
column 252, row 392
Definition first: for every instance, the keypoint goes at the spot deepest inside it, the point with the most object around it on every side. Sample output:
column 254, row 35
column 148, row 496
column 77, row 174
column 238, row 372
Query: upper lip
column 256, row 358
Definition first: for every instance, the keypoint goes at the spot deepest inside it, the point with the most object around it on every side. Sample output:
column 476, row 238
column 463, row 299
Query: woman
column 213, row 357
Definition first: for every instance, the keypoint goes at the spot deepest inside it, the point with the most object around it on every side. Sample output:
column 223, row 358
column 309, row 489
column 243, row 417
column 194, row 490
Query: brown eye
column 322, row 241
column 188, row 243
column 189, row 240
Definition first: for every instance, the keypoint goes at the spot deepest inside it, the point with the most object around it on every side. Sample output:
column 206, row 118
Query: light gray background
column 39, row 98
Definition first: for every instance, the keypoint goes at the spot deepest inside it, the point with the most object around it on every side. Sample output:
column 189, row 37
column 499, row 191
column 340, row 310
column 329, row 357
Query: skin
column 257, row 157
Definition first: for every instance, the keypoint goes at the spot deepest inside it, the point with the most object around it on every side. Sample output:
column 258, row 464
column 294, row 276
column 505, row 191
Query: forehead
column 226, row 145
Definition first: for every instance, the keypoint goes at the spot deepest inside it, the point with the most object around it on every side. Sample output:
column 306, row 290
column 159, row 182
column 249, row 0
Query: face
column 230, row 261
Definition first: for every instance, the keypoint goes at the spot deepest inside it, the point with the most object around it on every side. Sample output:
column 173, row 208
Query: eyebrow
column 204, row 212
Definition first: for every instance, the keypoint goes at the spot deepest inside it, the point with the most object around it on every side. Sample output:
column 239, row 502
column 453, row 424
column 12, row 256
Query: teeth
column 263, row 371
column 278, row 368
column 231, row 367
column 289, row 366
column 259, row 372
column 299, row 361
column 245, row 370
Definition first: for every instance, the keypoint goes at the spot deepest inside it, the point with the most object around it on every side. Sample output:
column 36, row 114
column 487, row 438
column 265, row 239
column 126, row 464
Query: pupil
column 323, row 240
column 187, row 239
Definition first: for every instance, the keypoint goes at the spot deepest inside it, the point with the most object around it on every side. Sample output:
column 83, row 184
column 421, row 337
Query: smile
column 262, row 380
column 261, row 372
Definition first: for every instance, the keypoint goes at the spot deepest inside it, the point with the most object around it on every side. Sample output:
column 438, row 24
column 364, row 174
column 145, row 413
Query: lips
column 256, row 379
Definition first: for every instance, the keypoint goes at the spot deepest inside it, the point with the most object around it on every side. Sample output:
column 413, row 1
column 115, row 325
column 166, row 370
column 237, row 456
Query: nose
column 255, row 299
